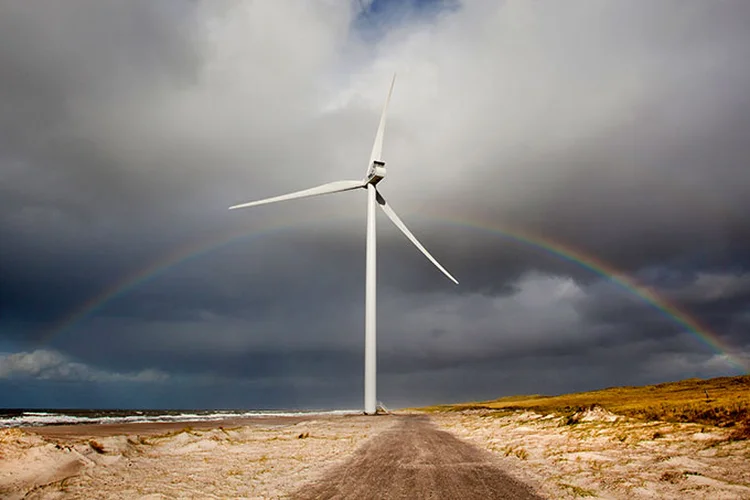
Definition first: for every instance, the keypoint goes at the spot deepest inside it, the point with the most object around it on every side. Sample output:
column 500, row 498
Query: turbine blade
column 331, row 187
column 377, row 148
column 400, row 224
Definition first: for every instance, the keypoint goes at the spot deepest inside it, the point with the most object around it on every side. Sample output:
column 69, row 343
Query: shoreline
column 154, row 428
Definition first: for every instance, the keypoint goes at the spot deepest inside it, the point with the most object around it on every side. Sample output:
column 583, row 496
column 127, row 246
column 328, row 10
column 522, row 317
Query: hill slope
column 723, row 401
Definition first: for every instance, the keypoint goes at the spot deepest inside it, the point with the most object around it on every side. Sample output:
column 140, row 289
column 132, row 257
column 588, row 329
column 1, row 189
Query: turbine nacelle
column 376, row 172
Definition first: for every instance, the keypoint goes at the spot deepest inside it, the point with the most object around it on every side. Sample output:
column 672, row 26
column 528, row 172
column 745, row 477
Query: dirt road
column 415, row 460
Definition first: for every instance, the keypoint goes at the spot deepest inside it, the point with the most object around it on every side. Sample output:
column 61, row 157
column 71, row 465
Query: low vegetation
column 96, row 446
column 723, row 402
column 577, row 491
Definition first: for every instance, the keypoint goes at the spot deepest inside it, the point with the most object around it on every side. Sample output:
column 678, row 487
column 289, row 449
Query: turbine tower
column 375, row 173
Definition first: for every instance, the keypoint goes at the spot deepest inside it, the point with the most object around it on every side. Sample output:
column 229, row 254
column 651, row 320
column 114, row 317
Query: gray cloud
column 620, row 130
column 45, row 364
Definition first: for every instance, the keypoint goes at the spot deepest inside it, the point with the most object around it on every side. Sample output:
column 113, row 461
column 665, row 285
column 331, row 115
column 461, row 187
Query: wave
column 76, row 417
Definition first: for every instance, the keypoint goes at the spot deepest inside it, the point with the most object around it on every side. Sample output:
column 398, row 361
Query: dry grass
column 723, row 402
column 96, row 446
column 605, row 456
column 577, row 491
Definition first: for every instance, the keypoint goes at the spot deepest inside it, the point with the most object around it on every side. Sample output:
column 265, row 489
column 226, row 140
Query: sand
column 608, row 456
column 600, row 456
column 263, row 458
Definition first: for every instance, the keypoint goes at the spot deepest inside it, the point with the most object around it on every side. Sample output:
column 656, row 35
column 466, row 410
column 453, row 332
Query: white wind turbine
column 375, row 173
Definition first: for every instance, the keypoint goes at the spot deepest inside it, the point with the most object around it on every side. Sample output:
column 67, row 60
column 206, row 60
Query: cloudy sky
column 618, row 131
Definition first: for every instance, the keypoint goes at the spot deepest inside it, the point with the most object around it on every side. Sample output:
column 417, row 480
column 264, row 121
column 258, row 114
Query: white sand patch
column 707, row 436
column 598, row 414
column 608, row 456
column 27, row 461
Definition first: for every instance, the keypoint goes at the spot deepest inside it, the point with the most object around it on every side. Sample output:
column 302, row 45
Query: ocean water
column 19, row 417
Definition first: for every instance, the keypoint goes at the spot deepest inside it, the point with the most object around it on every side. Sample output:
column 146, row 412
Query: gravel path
column 415, row 460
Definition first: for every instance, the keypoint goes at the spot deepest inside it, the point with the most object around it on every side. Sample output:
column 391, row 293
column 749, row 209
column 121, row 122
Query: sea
column 19, row 417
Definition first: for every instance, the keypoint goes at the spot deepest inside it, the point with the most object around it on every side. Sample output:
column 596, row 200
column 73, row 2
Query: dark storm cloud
column 126, row 129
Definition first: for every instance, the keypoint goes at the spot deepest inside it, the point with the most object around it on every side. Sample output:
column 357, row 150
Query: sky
column 580, row 167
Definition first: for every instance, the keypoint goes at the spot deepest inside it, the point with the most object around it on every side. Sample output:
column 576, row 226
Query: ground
column 481, row 453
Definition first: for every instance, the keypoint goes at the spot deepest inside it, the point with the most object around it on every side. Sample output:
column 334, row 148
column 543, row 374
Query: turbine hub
column 376, row 173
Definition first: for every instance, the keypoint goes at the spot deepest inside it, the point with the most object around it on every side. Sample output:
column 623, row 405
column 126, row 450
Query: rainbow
column 589, row 262
column 646, row 294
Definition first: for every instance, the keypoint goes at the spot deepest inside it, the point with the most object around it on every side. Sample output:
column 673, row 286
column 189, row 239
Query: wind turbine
column 375, row 173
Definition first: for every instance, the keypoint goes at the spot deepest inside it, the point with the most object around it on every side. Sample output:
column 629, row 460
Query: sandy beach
column 247, row 458
column 471, row 454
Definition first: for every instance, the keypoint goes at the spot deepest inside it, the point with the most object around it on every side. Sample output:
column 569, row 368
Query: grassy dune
column 723, row 402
